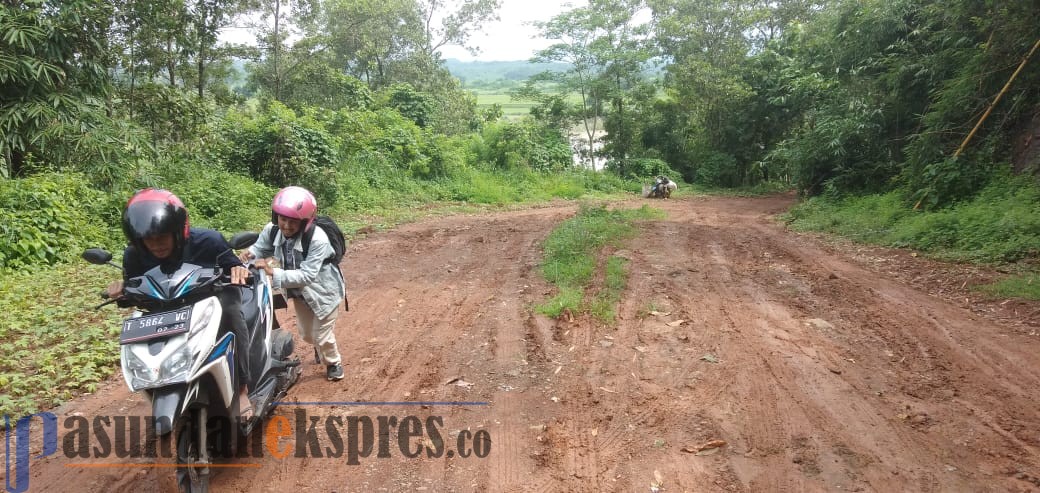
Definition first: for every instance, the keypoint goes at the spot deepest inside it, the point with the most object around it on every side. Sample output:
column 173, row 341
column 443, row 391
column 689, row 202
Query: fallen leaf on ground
column 660, row 314
column 710, row 358
column 675, row 323
column 459, row 381
column 712, row 444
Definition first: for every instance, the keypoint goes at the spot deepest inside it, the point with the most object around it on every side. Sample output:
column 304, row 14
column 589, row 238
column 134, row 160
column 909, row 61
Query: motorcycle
column 659, row 189
column 174, row 350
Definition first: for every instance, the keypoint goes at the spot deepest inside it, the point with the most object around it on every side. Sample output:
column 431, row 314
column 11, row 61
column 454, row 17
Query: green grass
column 1025, row 286
column 570, row 260
column 604, row 303
column 1000, row 225
column 512, row 110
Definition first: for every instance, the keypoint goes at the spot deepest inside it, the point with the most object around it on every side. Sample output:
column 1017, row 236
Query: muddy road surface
column 745, row 358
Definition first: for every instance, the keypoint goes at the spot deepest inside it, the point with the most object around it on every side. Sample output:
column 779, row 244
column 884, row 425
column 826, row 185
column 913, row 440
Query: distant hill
column 482, row 72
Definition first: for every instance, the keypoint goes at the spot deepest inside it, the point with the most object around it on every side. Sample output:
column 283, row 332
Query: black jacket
column 205, row 248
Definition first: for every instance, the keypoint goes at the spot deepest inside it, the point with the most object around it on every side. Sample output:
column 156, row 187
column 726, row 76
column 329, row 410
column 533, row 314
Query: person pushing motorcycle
column 158, row 231
column 314, row 285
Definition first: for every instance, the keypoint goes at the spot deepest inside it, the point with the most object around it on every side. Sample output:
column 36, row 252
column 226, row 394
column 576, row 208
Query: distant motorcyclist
column 662, row 187
column 156, row 226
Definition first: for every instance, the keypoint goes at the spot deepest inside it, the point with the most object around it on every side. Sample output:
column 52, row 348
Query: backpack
column 336, row 239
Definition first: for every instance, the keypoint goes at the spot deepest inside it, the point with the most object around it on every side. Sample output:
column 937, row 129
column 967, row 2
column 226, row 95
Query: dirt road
column 771, row 362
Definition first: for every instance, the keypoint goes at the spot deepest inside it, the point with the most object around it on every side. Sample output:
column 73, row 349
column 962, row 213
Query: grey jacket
column 320, row 284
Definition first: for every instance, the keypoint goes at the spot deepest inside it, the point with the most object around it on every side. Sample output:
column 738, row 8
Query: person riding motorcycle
column 158, row 231
column 314, row 285
column 662, row 187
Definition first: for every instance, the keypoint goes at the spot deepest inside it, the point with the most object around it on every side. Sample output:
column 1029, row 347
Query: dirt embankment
column 746, row 358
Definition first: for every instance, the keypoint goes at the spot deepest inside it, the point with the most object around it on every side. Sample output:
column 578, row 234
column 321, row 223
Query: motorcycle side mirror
column 243, row 240
column 98, row 256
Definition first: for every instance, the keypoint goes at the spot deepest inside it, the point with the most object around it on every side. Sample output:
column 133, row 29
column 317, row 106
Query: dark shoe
column 334, row 372
column 317, row 357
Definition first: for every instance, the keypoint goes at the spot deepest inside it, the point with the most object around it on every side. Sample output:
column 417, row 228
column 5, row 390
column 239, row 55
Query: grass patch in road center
column 602, row 306
column 570, row 254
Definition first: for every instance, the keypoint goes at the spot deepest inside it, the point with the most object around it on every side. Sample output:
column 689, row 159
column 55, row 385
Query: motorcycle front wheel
column 192, row 457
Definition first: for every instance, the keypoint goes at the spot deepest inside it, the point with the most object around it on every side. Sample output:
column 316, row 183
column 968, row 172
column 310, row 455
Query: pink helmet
column 294, row 202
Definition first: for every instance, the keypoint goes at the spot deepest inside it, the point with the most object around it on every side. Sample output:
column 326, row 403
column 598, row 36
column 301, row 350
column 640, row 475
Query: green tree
column 575, row 32
column 458, row 19
column 710, row 80
column 51, row 72
column 622, row 49
column 318, row 84
column 368, row 38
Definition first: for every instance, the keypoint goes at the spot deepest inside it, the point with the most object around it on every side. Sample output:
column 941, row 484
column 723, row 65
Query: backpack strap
column 306, row 239
column 307, row 236
column 273, row 233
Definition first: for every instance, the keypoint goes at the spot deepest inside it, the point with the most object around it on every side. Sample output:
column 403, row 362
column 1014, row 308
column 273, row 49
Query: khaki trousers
column 318, row 331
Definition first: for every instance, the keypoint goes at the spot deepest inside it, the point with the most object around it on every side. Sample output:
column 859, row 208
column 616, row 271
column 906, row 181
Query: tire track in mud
column 953, row 354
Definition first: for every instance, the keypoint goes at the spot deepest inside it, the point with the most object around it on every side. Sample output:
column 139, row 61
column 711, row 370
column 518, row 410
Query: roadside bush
column 717, row 169
column 1001, row 224
column 51, row 217
column 218, row 199
column 415, row 105
column 526, row 144
column 318, row 84
column 280, row 149
column 170, row 114
column 379, row 136
column 643, row 168
column 109, row 153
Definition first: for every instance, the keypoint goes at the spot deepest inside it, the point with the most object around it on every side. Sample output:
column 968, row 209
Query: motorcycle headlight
column 173, row 369
column 177, row 363
column 140, row 375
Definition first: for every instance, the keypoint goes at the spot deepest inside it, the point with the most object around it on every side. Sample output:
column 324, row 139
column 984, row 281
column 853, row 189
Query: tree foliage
column 51, row 73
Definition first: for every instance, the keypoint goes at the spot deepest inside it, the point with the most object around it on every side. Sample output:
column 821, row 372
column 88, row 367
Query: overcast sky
column 510, row 38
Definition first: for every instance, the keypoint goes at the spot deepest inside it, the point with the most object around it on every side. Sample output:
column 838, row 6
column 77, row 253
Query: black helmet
column 155, row 211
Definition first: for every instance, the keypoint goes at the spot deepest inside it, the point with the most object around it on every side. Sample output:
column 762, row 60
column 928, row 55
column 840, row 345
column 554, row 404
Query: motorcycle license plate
column 155, row 325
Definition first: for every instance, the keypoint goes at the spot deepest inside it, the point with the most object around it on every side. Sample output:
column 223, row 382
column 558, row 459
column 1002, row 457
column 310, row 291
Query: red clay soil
column 745, row 358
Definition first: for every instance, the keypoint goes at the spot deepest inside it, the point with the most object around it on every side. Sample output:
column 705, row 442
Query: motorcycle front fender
column 166, row 406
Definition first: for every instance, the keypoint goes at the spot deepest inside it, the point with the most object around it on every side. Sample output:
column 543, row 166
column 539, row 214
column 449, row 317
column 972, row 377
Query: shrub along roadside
column 571, row 262
column 1000, row 225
